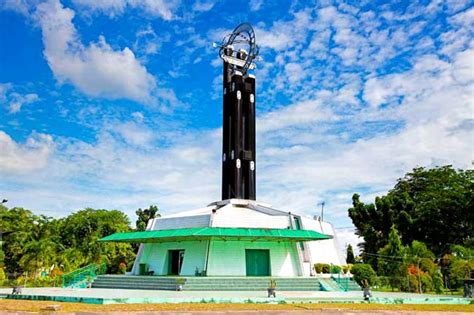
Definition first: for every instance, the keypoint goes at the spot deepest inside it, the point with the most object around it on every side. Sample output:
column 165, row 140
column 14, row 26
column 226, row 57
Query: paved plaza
column 113, row 296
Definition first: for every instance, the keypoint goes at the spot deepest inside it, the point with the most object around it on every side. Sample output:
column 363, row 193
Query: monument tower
column 238, row 51
column 236, row 236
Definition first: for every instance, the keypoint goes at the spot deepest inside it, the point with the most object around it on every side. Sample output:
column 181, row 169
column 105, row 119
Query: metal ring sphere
column 242, row 34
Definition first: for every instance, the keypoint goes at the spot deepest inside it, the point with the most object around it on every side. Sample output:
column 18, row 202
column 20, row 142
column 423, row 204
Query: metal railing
column 342, row 282
column 81, row 277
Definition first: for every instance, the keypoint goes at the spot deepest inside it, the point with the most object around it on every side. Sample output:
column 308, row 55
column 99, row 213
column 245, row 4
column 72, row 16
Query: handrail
column 343, row 283
column 80, row 278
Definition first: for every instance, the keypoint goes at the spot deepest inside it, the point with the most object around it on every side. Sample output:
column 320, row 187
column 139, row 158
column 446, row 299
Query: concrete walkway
column 110, row 296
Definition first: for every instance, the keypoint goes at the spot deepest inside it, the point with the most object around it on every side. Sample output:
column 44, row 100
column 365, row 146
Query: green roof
column 205, row 233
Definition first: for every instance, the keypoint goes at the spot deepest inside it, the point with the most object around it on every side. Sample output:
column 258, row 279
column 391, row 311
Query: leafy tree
column 433, row 206
column 36, row 243
column 350, row 258
column 83, row 229
column 461, row 265
column 421, row 256
column 363, row 273
column 391, row 258
column 19, row 223
column 145, row 215
column 438, row 283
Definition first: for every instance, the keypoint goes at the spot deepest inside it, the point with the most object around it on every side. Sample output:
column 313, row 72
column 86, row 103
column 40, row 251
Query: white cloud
column 139, row 117
column 18, row 100
column 134, row 133
column 20, row 6
column 346, row 237
column 96, row 69
column 255, row 5
column 13, row 100
column 203, row 6
column 4, row 87
column 147, row 41
column 161, row 8
column 24, row 158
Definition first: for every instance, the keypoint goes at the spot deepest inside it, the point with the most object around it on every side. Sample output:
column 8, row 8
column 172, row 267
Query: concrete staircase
column 327, row 284
column 250, row 284
column 206, row 283
column 334, row 284
column 134, row 282
column 353, row 286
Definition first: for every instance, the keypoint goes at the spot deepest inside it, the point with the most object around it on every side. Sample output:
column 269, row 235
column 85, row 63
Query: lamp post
column 322, row 209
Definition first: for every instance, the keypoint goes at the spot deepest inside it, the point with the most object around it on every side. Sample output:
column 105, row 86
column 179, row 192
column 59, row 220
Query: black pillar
column 239, row 156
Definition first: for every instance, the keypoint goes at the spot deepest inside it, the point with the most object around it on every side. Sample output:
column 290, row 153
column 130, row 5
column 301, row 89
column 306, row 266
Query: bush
column 2, row 276
column 122, row 267
column 335, row 269
column 320, row 268
column 363, row 273
column 346, row 268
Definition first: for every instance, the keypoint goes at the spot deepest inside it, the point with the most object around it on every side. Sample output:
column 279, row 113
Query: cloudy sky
column 117, row 103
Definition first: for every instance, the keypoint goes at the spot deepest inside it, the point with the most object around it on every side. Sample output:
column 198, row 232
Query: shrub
column 335, row 269
column 2, row 276
column 363, row 273
column 426, row 282
column 322, row 268
column 122, row 267
column 56, row 272
column 346, row 268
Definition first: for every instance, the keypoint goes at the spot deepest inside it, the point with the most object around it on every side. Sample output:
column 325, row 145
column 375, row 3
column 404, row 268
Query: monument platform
column 125, row 296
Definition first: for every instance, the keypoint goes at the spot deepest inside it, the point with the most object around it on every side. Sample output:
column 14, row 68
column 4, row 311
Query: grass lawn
column 35, row 306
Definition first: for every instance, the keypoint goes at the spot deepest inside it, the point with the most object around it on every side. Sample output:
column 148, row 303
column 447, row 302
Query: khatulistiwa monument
column 236, row 236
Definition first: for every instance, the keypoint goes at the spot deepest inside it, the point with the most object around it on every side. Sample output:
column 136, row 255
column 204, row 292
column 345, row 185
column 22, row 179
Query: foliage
column 145, row 215
column 335, row 269
column 322, row 268
column 122, row 267
column 438, row 283
column 433, row 206
column 350, row 258
column 458, row 265
column 37, row 244
column 390, row 260
column 180, row 281
column 363, row 273
column 346, row 268
column 2, row 276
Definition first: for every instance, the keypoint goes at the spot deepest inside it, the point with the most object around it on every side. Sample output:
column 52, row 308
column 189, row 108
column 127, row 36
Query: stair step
column 206, row 284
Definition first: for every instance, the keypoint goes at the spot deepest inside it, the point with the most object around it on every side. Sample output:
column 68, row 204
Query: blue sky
column 117, row 103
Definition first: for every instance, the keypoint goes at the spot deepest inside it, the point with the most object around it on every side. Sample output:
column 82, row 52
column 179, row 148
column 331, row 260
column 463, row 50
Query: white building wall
column 155, row 255
column 227, row 258
column 232, row 216
column 324, row 251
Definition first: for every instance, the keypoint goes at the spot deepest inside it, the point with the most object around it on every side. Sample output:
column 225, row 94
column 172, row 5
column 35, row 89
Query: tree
column 19, row 223
column 461, row 265
column 432, row 206
column 350, row 258
column 39, row 243
column 82, row 230
column 364, row 273
column 145, row 215
column 391, row 259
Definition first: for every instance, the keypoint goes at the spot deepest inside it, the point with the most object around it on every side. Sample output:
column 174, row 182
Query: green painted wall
column 227, row 258
column 156, row 256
